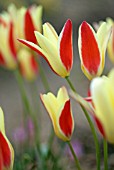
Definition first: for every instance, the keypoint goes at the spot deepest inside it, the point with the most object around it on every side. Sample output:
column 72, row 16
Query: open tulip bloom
column 92, row 48
column 57, row 50
column 6, row 150
column 59, row 110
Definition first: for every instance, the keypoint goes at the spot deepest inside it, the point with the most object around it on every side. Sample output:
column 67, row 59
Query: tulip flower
column 92, row 47
column 26, row 21
column 56, row 50
column 27, row 64
column 6, row 150
column 102, row 91
column 101, row 104
column 19, row 23
column 59, row 110
column 110, row 48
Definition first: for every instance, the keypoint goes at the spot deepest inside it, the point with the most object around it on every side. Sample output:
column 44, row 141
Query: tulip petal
column 65, row 45
column 5, row 151
column 89, row 50
column 50, row 33
column 29, row 28
column 2, row 61
column 36, row 14
column 102, row 91
column 52, row 57
column 65, row 121
column 103, row 35
column 11, row 40
column 2, row 128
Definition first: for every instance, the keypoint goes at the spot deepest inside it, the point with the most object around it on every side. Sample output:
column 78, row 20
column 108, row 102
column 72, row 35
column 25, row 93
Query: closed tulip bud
column 56, row 50
column 6, row 150
column 59, row 110
column 92, row 48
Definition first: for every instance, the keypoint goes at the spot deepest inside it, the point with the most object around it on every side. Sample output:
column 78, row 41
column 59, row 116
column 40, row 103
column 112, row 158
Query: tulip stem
column 91, row 126
column 74, row 156
column 105, row 154
column 47, row 88
column 25, row 100
column 70, row 84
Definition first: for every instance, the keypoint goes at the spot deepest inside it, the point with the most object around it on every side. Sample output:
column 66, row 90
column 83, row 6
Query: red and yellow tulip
column 101, row 104
column 6, row 150
column 102, row 91
column 57, row 50
column 19, row 23
column 26, row 21
column 92, row 48
column 59, row 110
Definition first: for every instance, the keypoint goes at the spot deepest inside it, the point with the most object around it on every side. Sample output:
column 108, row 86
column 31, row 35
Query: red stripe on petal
column 27, row 43
column 1, row 161
column 89, row 48
column 65, row 120
column 99, row 125
column 2, row 61
column 3, row 22
column 11, row 40
column 5, row 151
column 66, row 51
column 29, row 28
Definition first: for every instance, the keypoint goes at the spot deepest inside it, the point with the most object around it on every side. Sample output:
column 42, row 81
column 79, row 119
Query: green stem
column 91, row 126
column 47, row 88
column 74, row 155
column 105, row 154
column 43, row 77
column 94, row 136
column 26, row 102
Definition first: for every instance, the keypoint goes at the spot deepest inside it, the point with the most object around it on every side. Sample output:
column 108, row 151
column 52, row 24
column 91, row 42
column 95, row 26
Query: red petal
column 66, row 52
column 11, row 40
column 65, row 120
column 29, row 28
column 5, row 151
column 89, row 48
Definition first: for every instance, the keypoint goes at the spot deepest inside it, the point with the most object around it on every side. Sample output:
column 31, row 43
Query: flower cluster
column 26, row 26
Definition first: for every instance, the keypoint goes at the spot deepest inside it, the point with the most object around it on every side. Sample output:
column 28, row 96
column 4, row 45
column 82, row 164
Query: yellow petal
column 2, row 128
column 103, row 35
column 50, row 33
column 53, row 56
column 102, row 91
